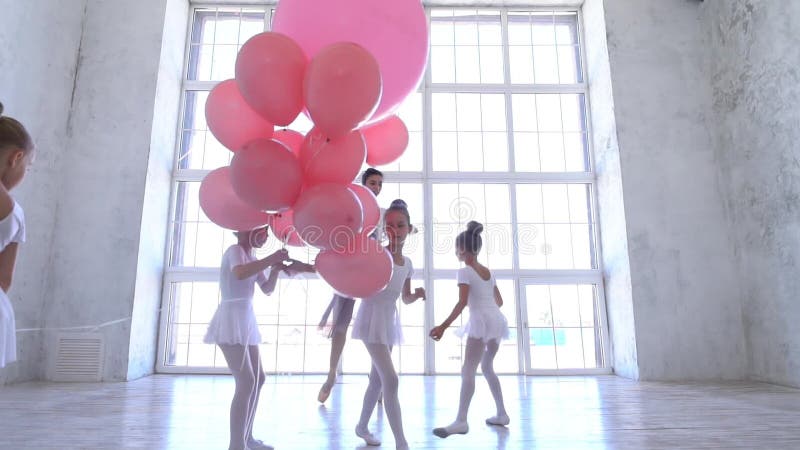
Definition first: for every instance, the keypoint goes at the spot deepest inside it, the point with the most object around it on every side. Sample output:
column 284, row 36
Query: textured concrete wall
column 155, row 208
column 611, row 213
column 756, row 81
column 97, row 238
column 36, row 87
column 96, row 82
column 683, row 276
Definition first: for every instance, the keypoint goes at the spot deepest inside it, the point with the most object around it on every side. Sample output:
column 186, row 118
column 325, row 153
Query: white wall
column 97, row 241
column 685, row 295
column 756, row 81
column 155, row 208
column 97, row 84
column 36, row 87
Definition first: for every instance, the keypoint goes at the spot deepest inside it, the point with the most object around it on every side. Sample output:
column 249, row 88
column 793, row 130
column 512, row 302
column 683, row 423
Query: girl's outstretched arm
column 463, row 294
column 296, row 267
column 408, row 297
column 244, row 271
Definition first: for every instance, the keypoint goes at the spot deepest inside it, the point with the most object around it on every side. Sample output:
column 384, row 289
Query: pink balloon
column 369, row 204
column 335, row 160
column 328, row 215
column 283, row 228
column 395, row 33
column 341, row 88
column 220, row 203
column 361, row 272
column 290, row 138
column 269, row 72
column 266, row 175
column 232, row 121
column 386, row 141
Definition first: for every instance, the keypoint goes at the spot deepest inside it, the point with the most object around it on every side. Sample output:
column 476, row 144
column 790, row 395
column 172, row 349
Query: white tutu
column 485, row 324
column 233, row 323
column 378, row 323
column 8, row 331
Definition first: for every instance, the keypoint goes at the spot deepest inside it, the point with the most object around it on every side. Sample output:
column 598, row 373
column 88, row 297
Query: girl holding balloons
column 235, row 330
column 340, row 308
column 377, row 324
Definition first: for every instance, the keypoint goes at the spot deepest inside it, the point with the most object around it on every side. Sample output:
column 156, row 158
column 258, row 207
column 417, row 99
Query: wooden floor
column 191, row 412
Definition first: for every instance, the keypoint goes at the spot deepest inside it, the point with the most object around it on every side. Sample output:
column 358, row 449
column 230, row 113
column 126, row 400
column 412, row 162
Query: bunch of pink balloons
column 348, row 65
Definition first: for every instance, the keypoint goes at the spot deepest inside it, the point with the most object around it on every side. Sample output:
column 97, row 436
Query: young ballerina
column 378, row 325
column 16, row 155
column 485, row 328
column 234, row 329
column 340, row 308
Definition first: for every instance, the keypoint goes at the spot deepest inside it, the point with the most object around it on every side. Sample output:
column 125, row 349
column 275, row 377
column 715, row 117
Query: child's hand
column 437, row 332
column 278, row 257
column 294, row 267
column 419, row 293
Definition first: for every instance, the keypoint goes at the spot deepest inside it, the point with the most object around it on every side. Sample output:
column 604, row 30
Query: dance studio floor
column 191, row 412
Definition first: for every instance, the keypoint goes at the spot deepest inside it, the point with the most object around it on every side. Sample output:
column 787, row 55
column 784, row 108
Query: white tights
column 383, row 376
column 479, row 352
column 245, row 365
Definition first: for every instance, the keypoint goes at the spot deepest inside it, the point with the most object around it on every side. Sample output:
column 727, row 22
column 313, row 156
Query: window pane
column 217, row 35
column 466, row 46
column 563, row 326
column 555, row 226
column 543, row 48
column 480, row 141
column 443, row 64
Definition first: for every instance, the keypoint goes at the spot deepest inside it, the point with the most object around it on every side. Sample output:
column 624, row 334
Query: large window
column 498, row 134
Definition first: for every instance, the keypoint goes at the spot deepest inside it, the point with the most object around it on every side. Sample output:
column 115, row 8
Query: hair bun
column 474, row 227
column 399, row 203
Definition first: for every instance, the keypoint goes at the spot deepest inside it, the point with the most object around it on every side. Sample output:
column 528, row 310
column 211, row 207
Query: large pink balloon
column 361, row 272
column 395, row 32
column 328, row 215
column 269, row 72
column 283, row 228
column 386, row 141
column 232, row 121
column 335, row 160
column 289, row 138
column 369, row 204
column 341, row 88
column 220, row 203
column 266, row 175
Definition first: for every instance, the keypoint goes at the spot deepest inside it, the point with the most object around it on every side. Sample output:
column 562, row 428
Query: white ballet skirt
column 8, row 330
column 377, row 320
column 234, row 322
column 12, row 230
column 485, row 322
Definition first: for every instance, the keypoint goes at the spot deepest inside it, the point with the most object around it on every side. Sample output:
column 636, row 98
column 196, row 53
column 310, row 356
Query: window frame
column 428, row 178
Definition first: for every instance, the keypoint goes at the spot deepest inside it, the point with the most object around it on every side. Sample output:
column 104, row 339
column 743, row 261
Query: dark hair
column 368, row 173
column 470, row 240
column 13, row 134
